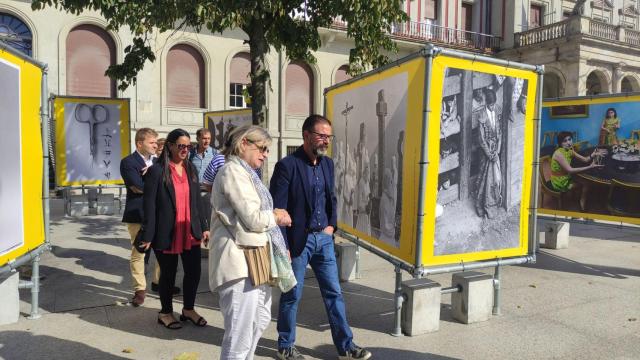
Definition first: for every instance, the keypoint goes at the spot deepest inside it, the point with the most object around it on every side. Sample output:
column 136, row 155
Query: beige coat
column 236, row 220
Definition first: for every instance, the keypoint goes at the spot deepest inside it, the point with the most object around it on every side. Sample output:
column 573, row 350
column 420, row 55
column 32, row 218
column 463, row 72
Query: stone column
column 616, row 78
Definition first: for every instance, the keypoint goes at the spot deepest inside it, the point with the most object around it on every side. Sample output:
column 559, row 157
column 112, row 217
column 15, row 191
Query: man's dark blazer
column 131, row 171
column 159, row 200
column 291, row 190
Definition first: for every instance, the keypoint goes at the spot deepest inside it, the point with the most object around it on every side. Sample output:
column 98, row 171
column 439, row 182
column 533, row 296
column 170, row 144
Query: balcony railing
column 602, row 30
column 632, row 37
column 543, row 33
column 578, row 26
column 424, row 32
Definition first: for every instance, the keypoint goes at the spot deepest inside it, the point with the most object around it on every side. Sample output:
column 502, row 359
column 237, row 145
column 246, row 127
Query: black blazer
column 160, row 208
column 131, row 171
column 291, row 190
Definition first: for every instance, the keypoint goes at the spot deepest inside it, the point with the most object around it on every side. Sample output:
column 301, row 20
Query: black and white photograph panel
column 11, row 203
column 223, row 122
column 481, row 162
column 369, row 124
column 92, row 141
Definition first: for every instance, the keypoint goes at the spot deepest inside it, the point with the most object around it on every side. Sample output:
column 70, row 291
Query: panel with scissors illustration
column 92, row 135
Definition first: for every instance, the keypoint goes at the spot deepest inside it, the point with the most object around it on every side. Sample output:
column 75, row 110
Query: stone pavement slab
column 577, row 303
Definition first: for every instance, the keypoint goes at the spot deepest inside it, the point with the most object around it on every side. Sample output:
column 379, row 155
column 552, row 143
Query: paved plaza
column 577, row 303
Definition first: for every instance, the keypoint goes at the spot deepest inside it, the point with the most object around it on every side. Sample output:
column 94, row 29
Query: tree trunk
column 259, row 72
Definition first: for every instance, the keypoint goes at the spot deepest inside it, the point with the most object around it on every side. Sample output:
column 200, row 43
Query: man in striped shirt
column 211, row 171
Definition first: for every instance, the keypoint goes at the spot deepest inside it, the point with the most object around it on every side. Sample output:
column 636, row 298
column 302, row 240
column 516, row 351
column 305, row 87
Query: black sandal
column 174, row 325
column 201, row 322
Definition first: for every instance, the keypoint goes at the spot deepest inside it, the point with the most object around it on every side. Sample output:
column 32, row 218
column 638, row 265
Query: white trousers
column 247, row 313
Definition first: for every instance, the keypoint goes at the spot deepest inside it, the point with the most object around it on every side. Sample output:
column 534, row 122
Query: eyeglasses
column 261, row 148
column 183, row 146
column 323, row 136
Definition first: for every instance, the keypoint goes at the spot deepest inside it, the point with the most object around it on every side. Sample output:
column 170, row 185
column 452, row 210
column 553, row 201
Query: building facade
column 587, row 47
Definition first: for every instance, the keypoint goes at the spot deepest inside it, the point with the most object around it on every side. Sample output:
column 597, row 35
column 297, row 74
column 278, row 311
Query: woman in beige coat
column 243, row 217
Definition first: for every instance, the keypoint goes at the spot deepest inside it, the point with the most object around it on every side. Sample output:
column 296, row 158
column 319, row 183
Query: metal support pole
column 358, row 275
column 35, row 289
column 451, row 290
column 397, row 330
column 496, row 290
column 430, row 52
column 534, row 238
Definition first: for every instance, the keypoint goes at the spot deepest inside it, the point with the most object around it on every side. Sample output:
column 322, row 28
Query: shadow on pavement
column 95, row 260
column 388, row 353
column 99, row 225
column 121, row 242
column 377, row 315
column 63, row 290
column 595, row 230
column 548, row 261
column 29, row 346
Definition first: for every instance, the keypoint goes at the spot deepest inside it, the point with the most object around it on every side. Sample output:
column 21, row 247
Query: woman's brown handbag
column 259, row 264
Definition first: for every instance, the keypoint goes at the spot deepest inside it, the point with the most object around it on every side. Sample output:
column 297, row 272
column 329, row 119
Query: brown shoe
column 138, row 298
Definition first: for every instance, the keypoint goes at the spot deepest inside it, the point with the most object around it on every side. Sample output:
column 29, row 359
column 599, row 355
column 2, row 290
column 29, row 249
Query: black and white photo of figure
column 92, row 141
column 11, row 204
column 369, row 124
column 481, row 162
column 222, row 124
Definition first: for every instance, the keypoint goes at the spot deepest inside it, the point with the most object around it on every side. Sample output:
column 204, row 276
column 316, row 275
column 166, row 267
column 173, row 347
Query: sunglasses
column 261, row 148
column 183, row 146
column 323, row 136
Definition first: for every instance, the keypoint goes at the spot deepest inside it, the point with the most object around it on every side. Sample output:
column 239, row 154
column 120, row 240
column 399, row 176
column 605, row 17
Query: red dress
column 182, row 237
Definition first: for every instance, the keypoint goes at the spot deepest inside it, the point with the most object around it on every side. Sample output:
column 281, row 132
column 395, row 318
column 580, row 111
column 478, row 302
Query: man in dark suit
column 133, row 168
column 303, row 184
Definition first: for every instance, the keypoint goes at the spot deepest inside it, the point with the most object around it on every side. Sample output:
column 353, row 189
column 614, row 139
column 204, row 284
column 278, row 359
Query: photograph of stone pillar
column 481, row 162
column 369, row 127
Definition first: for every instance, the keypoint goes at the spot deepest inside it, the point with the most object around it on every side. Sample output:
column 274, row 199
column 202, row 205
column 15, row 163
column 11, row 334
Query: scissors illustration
column 92, row 115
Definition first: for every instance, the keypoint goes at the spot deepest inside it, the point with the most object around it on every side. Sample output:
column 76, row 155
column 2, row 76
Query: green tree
column 287, row 25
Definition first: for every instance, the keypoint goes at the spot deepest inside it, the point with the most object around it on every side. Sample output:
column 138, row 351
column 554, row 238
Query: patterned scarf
column 281, row 268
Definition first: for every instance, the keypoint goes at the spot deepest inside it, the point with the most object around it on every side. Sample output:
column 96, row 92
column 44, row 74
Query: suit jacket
column 291, row 190
column 131, row 170
column 159, row 200
column 237, row 221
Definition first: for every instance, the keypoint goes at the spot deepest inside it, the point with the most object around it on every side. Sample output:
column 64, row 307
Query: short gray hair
column 253, row 133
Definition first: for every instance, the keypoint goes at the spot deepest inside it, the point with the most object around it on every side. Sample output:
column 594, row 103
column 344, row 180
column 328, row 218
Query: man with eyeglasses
column 303, row 184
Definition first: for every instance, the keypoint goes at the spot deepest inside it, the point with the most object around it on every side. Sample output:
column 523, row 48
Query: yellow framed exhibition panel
column 414, row 71
column 233, row 113
column 439, row 65
column 223, row 121
column 584, row 124
column 31, row 156
column 63, row 153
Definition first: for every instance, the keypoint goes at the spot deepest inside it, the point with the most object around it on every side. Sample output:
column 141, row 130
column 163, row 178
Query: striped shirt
column 202, row 162
column 212, row 169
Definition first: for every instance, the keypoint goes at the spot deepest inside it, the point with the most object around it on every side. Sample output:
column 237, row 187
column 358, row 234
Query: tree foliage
column 286, row 25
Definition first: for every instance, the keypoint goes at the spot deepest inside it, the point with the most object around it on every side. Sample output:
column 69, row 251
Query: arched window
column 15, row 33
column 90, row 51
column 240, row 70
column 628, row 84
column 341, row 74
column 299, row 89
column 552, row 86
column 185, row 77
column 596, row 83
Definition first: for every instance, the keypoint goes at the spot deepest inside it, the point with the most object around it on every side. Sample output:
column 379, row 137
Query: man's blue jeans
column 320, row 254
